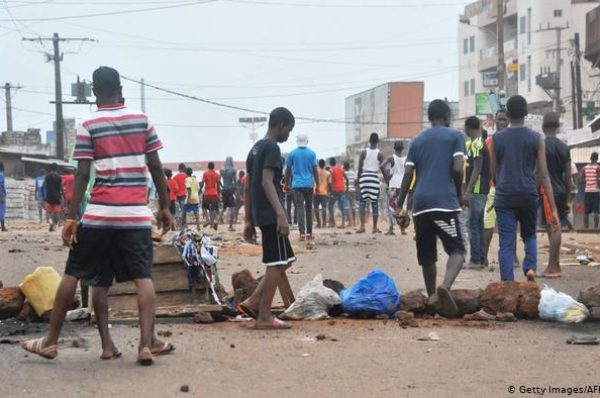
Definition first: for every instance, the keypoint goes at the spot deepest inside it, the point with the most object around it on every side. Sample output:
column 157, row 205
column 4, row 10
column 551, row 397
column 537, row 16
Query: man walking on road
column 369, row 165
column 321, row 194
column 476, row 191
column 437, row 157
column 114, row 239
column 558, row 159
column 590, row 175
column 337, row 184
column 394, row 182
column 53, row 194
column 264, row 209
column 300, row 175
column 517, row 154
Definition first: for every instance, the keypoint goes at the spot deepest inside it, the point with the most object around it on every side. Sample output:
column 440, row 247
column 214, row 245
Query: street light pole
column 500, row 40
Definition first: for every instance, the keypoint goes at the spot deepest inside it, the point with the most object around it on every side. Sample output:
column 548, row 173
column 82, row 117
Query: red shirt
column 180, row 179
column 173, row 188
column 67, row 182
column 211, row 178
column 338, row 183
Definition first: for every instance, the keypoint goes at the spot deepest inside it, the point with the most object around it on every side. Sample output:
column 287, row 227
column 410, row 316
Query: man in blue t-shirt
column 300, row 176
column 517, row 153
column 436, row 155
column 39, row 192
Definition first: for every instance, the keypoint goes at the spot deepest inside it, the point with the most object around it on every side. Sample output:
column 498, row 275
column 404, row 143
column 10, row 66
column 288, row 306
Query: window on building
column 557, row 13
column 522, row 25
column 472, row 43
column 472, row 86
column 465, row 46
column 466, row 88
column 529, row 26
column 522, row 72
column 529, row 73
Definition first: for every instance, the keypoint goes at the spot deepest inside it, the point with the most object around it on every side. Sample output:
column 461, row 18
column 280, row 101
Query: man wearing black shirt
column 264, row 209
column 558, row 160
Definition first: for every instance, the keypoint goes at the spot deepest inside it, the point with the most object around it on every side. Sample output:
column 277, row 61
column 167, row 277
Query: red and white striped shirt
column 591, row 172
column 117, row 140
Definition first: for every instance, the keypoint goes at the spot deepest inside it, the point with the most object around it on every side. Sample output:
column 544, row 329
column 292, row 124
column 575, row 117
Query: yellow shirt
column 193, row 197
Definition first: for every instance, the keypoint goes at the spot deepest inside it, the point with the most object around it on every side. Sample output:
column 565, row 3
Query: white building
column 528, row 50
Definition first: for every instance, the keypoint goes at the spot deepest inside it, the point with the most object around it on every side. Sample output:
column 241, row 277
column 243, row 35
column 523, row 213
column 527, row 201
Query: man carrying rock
column 437, row 157
column 517, row 155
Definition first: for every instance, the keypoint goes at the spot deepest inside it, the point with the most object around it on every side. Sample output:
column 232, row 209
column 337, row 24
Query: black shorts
column 322, row 201
column 228, row 198
column 430, row 226
column 592, row 201
column 103, row 255
column 277, row 250
column 210, row 204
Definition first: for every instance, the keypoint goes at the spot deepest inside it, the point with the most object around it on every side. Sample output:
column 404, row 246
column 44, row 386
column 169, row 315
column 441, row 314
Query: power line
column 244, row 109
column 315, row 5
column 108, row 13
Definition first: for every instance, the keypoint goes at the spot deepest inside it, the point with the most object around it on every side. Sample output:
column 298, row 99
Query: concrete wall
column 20, row 202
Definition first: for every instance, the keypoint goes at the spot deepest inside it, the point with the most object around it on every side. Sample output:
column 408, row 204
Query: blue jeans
column 507, row 218
column 339, row 197
column 475, row 224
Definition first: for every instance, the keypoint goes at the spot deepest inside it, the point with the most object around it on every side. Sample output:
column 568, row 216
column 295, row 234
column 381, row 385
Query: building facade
column 531, row 39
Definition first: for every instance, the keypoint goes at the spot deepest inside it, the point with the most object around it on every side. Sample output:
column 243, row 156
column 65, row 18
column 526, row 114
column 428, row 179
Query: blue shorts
column 192, row 208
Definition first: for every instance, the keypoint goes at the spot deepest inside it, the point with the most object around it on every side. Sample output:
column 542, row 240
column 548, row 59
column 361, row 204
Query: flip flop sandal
column 243, row 308
column 277, row 324
column 585, row 340
column 165, row 348
column 542, row 274
column 36, row 346
column 145, row 357
column 116, row 354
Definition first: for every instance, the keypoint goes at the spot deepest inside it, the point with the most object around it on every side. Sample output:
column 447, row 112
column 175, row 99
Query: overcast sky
column 253, row 54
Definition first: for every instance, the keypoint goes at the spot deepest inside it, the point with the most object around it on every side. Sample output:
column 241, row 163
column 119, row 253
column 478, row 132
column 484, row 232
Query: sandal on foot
column 36, row 346
column 530, row 275
column 547, row 275
column 163, row 348
column 115, row 354
column 276, row 324
column 145, row 357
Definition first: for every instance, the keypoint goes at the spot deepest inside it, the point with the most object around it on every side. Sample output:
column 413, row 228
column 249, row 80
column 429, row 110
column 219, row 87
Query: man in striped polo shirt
column 113, row 240
column 590, row 175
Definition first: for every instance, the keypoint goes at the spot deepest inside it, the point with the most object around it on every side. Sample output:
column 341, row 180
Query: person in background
column 53, row 194
column 558, row 159
column 173, row 189
column 192, row 198
column 181, row 192
column 264, row 209
column 369, row 164
column 518, row 162
column 337, row 186
column 394, row 182
column 39, row 193
column 300, row 175
column 590, row 176
column 321, row 194
column 211, row 183
column 476, row 191
column 437, row 157
column 228, row 175
column 68, row 179
column 3, row 195
column 351, row 198
column 240, row 186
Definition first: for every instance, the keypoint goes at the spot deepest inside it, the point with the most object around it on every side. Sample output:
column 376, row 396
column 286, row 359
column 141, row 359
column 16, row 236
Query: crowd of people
column 456, row 186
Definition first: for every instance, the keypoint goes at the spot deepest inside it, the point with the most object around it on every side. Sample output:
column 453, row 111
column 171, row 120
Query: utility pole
column 57, row 58
column 556, row 101
column 143, row 94
column 579, row 108
column 9, row 121
column 573, row 96
column 254, row 122
column 500, row 43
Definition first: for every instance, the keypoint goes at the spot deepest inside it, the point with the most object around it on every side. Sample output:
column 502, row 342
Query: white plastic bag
column 312, row 302
column 560, row 307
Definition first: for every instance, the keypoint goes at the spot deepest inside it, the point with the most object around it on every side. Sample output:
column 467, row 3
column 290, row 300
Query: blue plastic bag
column 376, row 293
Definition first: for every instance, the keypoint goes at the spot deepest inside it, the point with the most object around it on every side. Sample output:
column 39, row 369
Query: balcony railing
column 489, row 52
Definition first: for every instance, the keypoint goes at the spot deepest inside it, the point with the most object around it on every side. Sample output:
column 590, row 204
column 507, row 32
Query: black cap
column 106, row 78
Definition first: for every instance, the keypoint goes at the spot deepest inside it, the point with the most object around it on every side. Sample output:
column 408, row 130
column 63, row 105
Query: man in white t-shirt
column 394, row 181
